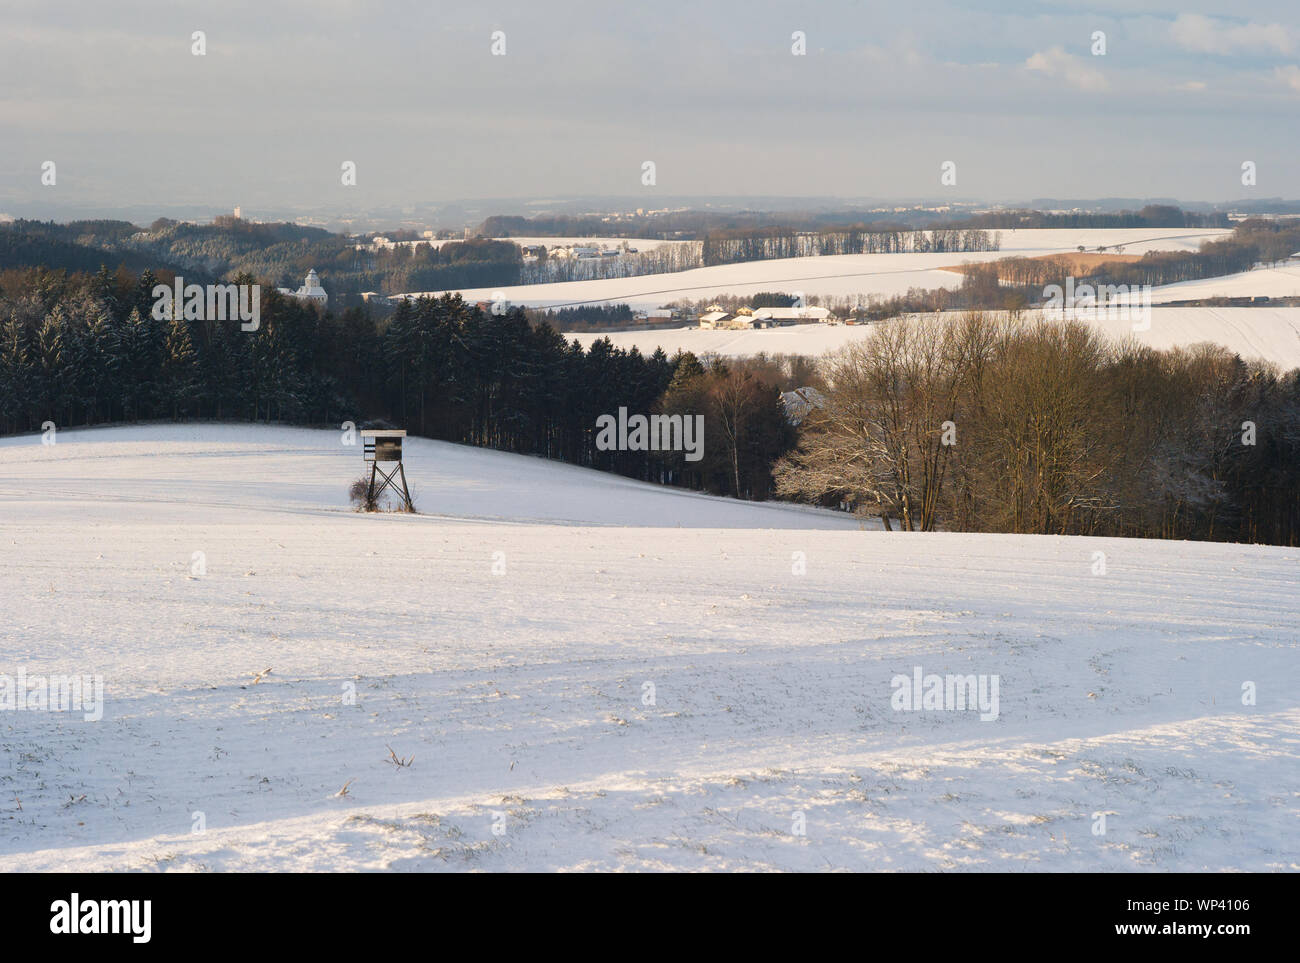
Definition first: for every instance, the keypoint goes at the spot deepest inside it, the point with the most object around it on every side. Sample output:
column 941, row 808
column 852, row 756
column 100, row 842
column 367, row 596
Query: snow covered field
column 561, row 662
column 1132, row 240
column 838, row 275
column 1281, row 281
column 841, row 275
column 1269, row 333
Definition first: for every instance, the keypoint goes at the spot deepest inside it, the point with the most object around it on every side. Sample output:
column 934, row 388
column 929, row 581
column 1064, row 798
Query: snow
column 519, row 697
column 639, row 243
column 1279, row 281
column 232, row 466
column 1272, row 334
column 840, row 275
column 1133, row 240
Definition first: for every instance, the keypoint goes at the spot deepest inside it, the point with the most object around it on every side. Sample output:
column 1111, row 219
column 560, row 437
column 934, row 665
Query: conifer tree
column 102, row 350
column 16, row 377
column 180, row 368
column 136, row 356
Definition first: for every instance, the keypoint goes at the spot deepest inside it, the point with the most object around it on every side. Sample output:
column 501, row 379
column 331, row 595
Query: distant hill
column 279, row 254
column 81, row 246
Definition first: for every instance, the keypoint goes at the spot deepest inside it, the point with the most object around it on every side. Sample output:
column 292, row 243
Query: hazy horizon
column 584, row 95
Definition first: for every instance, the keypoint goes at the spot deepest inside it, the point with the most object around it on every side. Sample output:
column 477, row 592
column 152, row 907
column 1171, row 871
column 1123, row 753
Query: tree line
column 1152, row 215
column 1011, row 424
column 730, row 247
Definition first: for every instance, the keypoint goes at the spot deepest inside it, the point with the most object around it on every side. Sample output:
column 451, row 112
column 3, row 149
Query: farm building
column 805, row 315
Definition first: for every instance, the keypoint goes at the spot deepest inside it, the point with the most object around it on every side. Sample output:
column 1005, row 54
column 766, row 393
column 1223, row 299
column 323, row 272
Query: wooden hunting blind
column 385, row 445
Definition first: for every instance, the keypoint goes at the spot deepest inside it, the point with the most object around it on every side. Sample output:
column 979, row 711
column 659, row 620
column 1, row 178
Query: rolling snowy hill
column 577, row 682
column 1275, row 281
column 305, row 470
column 839, row 275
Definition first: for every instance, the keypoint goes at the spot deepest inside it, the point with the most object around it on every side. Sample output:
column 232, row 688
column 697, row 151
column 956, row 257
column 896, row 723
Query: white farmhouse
column 802, row 315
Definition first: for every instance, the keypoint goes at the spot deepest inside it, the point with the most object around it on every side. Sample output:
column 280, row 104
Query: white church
column 310, row 290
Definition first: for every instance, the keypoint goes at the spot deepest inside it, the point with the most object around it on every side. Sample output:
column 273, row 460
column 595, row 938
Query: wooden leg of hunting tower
column 370, row 492
column 405, row 491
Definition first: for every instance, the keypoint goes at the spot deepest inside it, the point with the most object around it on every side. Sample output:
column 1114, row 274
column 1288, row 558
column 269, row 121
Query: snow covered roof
column 789, row 314
column 800, row 401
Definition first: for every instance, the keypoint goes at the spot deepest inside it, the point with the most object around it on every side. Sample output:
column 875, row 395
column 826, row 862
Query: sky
column 585, row 93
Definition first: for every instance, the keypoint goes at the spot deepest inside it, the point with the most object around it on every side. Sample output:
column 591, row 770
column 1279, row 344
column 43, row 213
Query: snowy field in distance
column 1272, row 334
column 840, row 275
column 1133, row 240
column 1280, row 281
column 521, row 697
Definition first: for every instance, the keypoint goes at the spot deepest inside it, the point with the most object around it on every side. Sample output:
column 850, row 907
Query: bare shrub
column 359, row 495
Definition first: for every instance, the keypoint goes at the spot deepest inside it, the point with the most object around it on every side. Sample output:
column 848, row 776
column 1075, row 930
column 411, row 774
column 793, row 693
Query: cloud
column 1289, row 75
column 1075, row 71
column 1194, row 31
